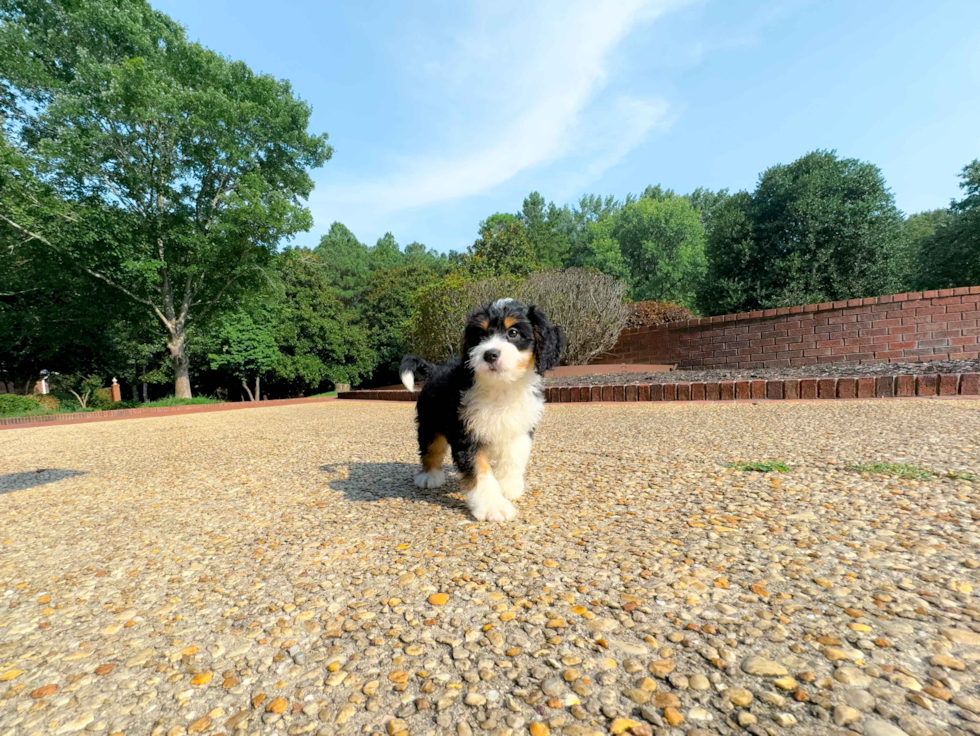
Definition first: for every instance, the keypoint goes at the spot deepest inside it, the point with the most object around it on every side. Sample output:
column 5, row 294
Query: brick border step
column 857, row 387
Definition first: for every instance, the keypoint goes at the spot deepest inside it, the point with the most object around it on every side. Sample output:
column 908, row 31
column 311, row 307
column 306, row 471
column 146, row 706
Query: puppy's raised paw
column 432, row 479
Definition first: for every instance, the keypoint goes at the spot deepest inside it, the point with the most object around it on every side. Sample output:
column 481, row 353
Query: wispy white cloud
column 521, row 87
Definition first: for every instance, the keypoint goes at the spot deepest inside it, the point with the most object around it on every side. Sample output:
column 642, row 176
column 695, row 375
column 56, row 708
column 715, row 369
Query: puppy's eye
column 513, row 333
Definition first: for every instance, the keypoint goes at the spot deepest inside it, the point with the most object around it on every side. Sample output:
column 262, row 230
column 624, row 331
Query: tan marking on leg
column 481, row 468
column 434, row 455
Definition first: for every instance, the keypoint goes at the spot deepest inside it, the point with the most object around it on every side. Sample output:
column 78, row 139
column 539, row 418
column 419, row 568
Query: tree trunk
column 136, row 392
column 251, row 397
column 178, row 354
column 146, row 393
column 258, row 394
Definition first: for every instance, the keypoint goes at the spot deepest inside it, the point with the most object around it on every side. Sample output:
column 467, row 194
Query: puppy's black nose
column 491, row 355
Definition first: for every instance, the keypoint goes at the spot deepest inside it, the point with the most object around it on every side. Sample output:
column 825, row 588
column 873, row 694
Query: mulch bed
column 826, row 370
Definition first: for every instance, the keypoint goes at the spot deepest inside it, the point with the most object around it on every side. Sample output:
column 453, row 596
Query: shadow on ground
column 32, row 478
column 380, row 481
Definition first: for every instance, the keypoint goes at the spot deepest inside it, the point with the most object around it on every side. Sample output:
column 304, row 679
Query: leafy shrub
column 16, row 404
column 101, row 400
column 647, row 314
column 588, row 306
column 435, row 329
column 49, row 402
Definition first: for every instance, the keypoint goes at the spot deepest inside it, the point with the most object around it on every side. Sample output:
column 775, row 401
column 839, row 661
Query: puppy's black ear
column 549, row 341
column 476, row 322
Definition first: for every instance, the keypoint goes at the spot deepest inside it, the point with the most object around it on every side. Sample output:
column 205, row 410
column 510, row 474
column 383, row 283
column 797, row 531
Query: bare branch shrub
column 589, row 306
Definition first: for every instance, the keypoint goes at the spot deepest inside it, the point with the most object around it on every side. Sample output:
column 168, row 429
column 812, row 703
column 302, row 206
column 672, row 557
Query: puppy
column 485, row 404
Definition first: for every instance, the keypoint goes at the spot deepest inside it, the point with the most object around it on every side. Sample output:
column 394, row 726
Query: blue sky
column 443, row 113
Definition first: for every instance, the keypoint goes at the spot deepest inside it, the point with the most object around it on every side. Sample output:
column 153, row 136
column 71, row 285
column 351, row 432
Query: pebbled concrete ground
column 275, row 571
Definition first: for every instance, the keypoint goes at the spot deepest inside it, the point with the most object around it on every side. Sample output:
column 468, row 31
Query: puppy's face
column 505, row 341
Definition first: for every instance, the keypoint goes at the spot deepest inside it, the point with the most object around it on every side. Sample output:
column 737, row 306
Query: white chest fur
column 498, row 413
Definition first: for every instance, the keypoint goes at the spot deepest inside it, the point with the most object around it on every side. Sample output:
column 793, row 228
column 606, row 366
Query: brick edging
column 113, row 414
column 849, row 387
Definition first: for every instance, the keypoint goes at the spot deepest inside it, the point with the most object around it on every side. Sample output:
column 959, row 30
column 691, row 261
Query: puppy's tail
column 413, row 369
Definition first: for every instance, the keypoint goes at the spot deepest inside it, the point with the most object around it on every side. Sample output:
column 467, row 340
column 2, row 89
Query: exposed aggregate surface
column 276, row 572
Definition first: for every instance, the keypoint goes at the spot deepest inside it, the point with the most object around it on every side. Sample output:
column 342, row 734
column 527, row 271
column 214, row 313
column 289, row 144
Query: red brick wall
column 919, row 326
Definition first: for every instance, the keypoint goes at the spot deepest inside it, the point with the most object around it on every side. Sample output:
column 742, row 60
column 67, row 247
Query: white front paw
column 492, row 509
column 512, row 488
column 432, row 479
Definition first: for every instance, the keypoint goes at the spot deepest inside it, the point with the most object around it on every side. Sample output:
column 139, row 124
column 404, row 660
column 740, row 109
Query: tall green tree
column 245, row 347
column 345, row 260
column 320, row 339
column 918, row 231
column 600, row 250
column 662, row 243
column 202, row 162
column 545, row 235
column 820, row 229
column 950, row 256
column 502, row 249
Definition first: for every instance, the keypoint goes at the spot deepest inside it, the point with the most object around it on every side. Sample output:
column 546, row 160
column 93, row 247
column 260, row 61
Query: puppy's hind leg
column 432, row 451
column 509, row 467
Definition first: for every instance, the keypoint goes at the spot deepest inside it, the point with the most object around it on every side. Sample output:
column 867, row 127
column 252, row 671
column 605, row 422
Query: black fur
column 549, row 341
column 420, row 368
column 437, row 409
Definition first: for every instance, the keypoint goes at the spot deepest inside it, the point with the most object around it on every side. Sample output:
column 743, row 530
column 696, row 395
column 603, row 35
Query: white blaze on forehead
column 501, row 303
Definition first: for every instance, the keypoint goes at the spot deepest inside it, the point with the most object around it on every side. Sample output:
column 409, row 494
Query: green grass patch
column 171, row 401
column 908, row 472
column 27, row 406
column 168, row 401
column 768, row 466
column 325, row 393
column 961, row 476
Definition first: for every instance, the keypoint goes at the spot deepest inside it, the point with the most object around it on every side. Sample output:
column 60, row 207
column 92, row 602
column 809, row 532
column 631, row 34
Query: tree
column 601, row 251
column 385, row 254
column 194, row 166
column 662, row 242
column 730, row 250
column 706, row 203
column 541, row 222
column 82, row 387
column 820, row 229
column 389, row 306
column 918, row 231
column 345, row 261
column 502, row 249
column 319, row 338
column 950, row 257
column 246, row 348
